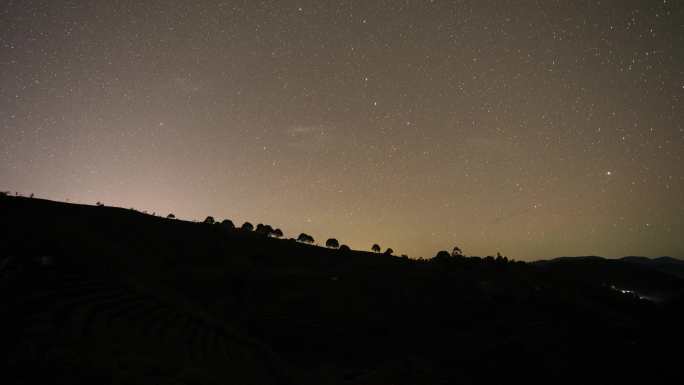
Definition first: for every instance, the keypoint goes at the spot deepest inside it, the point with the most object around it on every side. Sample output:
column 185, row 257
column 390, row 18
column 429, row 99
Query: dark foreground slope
column 108, row 295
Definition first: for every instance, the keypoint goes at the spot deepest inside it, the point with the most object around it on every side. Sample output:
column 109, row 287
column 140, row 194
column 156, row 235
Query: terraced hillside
column 64, row 325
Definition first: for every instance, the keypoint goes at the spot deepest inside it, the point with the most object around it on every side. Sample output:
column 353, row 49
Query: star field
column 533, row 128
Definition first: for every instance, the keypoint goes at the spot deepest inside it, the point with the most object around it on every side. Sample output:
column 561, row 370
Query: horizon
column 530, row 129
column 320, row 241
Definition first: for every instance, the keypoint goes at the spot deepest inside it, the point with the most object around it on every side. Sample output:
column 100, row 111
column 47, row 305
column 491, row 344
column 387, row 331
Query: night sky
column 533, row 128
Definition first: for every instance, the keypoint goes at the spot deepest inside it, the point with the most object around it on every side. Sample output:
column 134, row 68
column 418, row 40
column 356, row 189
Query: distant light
column 609, row 173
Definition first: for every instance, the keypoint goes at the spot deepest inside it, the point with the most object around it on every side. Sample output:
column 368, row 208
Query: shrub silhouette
column 171, row 216
column 389, row 251
column 376, row 248
column 278, row 233
column 457, row 252
column 344, row 248
column 209, row 220
column 227, row 224
column 247, row 226
column 332, row 243
column 305, row 238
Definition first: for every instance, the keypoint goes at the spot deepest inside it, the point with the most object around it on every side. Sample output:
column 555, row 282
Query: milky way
column 533, row 128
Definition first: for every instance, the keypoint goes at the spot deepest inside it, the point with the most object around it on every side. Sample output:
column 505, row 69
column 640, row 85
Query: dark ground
column 102, row 295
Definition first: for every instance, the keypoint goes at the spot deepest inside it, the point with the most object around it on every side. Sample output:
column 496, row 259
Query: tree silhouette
column 268, row 230
column 262, row 229
column 247, row 226
column 171, row 216
column 344, row 248
column 457, row 252
column 209, row 220
column 227, row 224
column 442, row 255
column 278, row 233
column 376, row 248
column 305, row 238
column 500, row 258
column 389, row 251
column 332, row 243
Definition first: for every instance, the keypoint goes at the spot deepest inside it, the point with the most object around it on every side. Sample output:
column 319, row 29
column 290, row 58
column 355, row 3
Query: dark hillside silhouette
column 109, row 295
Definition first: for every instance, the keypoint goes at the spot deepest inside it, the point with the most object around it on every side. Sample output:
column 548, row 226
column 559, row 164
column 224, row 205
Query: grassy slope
column 141, row 297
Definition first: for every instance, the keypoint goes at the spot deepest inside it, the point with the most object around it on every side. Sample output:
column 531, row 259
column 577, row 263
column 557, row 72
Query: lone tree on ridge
column 332, row 243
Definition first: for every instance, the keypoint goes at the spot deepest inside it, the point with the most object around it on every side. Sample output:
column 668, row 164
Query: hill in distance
column 94, row 294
